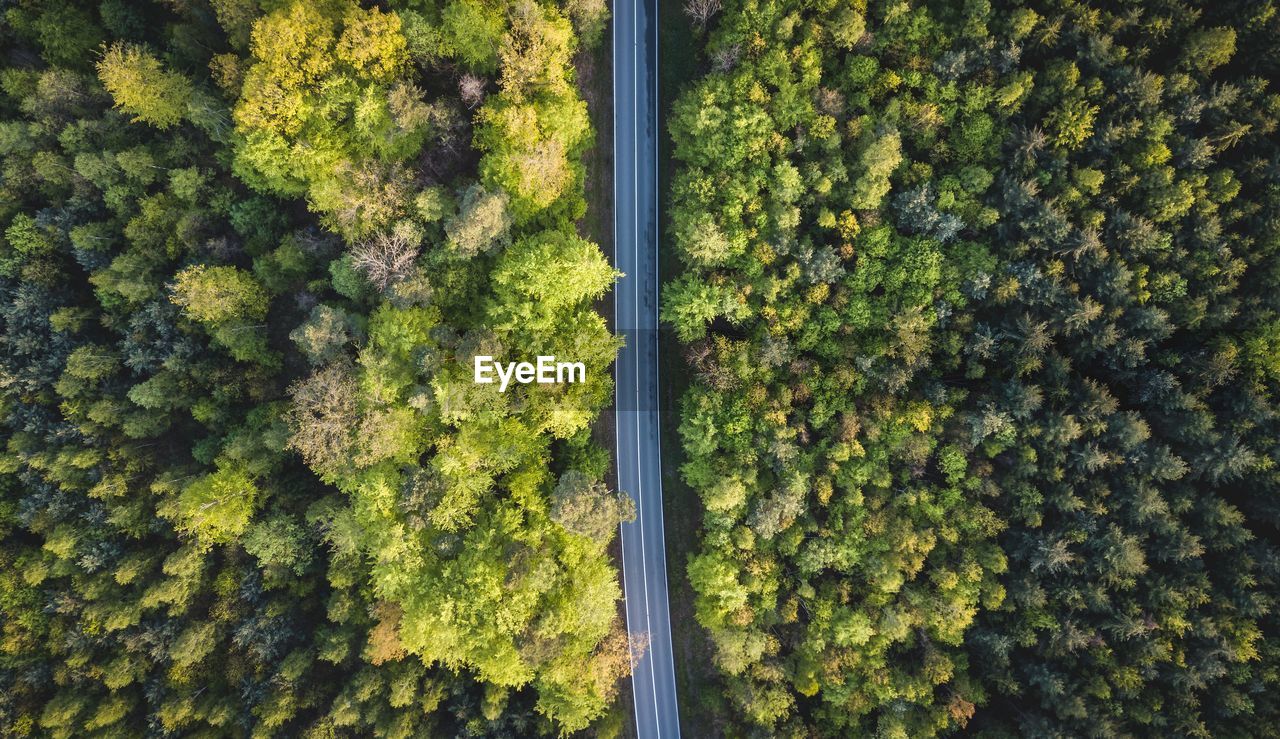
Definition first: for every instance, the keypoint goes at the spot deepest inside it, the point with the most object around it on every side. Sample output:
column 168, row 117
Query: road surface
column 635, row 178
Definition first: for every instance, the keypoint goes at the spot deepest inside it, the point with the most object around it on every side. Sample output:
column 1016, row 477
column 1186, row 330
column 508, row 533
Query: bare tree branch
column 702, row 10
column 385, row 259
column 471, row 89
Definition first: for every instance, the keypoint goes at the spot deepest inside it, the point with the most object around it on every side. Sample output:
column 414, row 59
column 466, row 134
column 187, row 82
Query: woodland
column 979, row 300
column 247, row 486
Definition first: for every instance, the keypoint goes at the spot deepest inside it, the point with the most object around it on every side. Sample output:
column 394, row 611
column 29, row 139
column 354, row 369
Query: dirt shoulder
column 701, row 694
column 594, row 71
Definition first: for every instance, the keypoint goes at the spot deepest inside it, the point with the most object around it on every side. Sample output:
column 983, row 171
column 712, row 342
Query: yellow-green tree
column 327, row 112
column 142, row 86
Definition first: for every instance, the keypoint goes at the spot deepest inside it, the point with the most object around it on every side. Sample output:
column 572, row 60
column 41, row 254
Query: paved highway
column 635, row 173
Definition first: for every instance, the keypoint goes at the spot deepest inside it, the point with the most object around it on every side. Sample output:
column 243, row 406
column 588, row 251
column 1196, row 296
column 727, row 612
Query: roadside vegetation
column 248, row 486
column 979, row 301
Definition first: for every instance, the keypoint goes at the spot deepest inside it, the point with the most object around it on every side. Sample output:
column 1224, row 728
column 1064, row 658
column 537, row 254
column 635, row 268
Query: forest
column 978, row 301
column 247, row 487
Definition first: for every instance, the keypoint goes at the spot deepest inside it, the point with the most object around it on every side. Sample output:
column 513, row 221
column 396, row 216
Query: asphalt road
column 639, row 458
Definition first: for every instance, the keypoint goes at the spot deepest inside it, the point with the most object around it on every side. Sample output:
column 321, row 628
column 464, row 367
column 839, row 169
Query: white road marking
column 639, row 347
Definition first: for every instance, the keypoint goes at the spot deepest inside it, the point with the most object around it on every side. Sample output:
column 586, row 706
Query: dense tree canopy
column 247, row 251
column 978, row 298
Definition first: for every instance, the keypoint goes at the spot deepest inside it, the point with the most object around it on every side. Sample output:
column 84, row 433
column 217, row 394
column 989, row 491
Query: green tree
column 541, row 276
column 230, row 304
column 1210, row 48
column 218, row 295
column 588, row 508
column 474, row 29
column 142, row 86
column 483, row 222
column 325, row 111
column 216, row 508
